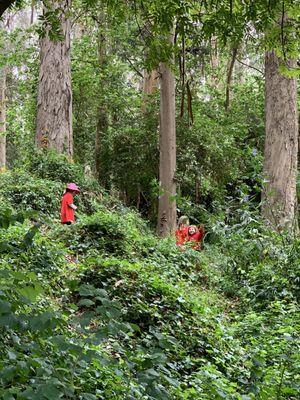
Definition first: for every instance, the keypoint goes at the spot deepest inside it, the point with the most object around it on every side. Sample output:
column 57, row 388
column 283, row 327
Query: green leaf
column 50, row 392
column 31, row 292
column 5, row 307
column 88, row 396
column 86, row 302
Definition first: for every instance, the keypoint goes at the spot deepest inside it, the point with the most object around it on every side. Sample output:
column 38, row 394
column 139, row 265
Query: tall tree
column 149, row 86
column 281, row 145
column 167, row 146
column 229, row 76
column 4, row 25
column 2, row 118
column 54, row 106
column 102, row 112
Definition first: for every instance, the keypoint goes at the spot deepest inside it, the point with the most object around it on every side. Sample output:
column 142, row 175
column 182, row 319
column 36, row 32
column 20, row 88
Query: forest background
column 112, row 106
column 156, row 109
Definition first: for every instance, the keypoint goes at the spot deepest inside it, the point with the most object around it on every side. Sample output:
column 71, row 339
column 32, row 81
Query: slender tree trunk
column 102, row 123
column 54, row 108
column 229, row 76
column 281, row 146
column 150, row 84
column 32, row 11
column 167, row 161
column 214, row 62
column 2, row 118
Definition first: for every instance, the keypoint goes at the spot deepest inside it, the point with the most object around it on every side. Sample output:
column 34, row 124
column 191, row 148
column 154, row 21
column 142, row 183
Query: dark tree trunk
column 229, row 77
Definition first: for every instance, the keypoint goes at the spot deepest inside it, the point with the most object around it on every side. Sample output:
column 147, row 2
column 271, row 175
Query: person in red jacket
column 195, row 236
column 68, row 207
column 181, row 232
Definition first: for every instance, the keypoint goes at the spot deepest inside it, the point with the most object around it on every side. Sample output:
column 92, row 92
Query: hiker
column 195, row 235
column 181, row 232
column 67, row 204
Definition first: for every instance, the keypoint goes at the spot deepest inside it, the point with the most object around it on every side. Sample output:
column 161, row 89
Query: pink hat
column 73, row 186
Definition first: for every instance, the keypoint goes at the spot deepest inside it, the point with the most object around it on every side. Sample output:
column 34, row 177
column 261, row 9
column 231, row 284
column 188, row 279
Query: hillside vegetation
column 104, row 309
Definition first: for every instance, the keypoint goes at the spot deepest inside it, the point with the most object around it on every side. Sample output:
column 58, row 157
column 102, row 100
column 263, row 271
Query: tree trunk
column 167, row 161
column 54, row 108
column 281, row 146
column 214, row 63
column 150, row 82
column 102, row 123
column 2, row 118
column 229, row 76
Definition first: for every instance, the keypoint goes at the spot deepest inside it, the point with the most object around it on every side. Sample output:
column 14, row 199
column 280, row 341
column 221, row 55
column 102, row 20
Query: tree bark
column 214, row 62
column 229, row 76
column 150, row 84
column 281, row 146
column 102, row 123
column 167, row 161
column 2, row 118
column 54, row 108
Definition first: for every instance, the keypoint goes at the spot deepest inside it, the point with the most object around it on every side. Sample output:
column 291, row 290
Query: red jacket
column 196, row 237
column 67, row 212
column 181, row 235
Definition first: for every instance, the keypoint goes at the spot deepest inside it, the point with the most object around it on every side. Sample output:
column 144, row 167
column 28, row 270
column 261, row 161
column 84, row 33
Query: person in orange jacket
column 181, row 232
column 67, row 211
column 195, row 235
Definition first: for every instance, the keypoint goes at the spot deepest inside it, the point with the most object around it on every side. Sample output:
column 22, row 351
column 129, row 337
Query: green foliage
column 108, row 232
column 103, row 309
column 47, row 164
column 26, row 192
column 259, row 265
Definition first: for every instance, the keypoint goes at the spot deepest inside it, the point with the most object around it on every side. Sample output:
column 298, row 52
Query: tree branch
column 250, row 66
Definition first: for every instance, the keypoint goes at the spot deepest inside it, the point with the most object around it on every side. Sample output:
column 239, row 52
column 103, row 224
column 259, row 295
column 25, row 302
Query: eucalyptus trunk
column 166, row 223
column 150, row 84
column 281, row 146
column 54, row 106
column 102, row 112
column 2, row 118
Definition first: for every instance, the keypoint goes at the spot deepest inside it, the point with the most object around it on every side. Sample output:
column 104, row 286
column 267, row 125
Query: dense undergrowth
column 104, row 310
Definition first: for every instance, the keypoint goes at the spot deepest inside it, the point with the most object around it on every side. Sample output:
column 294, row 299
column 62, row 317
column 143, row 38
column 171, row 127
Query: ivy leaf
column 5, row 307
column 88, row 396
column 50, row 392
column 31, row 292
column 86, row 302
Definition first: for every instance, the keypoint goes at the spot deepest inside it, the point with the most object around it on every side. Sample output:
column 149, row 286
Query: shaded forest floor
column 105, row 310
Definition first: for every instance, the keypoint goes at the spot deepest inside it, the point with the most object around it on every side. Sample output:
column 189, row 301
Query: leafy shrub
column 107, row 232
column 257, row 264
column 25, row 192
column 47, row 164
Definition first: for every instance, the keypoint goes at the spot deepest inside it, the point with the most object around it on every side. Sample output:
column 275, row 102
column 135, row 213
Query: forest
column 119, row 120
